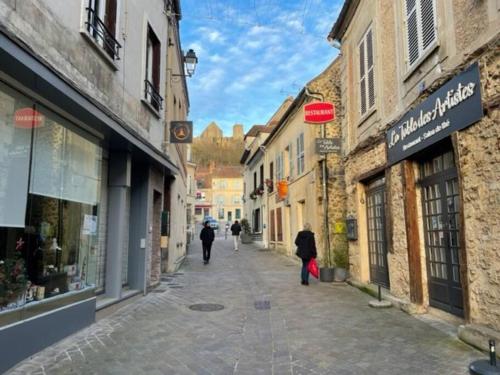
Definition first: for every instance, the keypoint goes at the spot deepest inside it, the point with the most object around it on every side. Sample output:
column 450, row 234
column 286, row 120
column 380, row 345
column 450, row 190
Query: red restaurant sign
column 27, row 118
column 319, row 112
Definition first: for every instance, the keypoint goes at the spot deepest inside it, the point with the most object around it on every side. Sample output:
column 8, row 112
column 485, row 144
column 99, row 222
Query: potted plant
column 326, row 272
column 341, row 260
column 253, row 195
column 245, row 234
column 13, row 281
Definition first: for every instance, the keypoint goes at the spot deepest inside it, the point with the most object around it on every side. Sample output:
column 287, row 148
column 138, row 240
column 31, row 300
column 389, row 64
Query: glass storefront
column 50, row 183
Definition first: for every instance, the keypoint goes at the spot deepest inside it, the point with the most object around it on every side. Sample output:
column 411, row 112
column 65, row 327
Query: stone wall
column 361, row 162
column 397, row 251
column 479, row 168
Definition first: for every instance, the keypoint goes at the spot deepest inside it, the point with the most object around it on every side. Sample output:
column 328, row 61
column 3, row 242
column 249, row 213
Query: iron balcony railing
column 153, row 96
column 101, row 34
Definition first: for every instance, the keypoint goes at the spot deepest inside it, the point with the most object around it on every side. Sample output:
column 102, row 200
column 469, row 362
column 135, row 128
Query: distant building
column 219, row 193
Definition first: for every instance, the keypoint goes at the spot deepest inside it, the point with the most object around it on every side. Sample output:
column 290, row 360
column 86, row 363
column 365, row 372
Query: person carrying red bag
column 306, row 249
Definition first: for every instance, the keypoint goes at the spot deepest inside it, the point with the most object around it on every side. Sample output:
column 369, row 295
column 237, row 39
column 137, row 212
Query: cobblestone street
column 270, row 324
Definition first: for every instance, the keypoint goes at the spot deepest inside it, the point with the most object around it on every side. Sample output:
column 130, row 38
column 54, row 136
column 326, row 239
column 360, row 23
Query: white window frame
column 421, row 51
column 366, row 82
column 300, row 154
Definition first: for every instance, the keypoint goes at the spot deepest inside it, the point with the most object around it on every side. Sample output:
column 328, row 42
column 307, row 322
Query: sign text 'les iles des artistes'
column 327, row 145
column 181, row 132
column 454, row 106
column 319, row 112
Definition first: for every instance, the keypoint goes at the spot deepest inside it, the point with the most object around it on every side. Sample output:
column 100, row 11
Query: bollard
column 484, row 367
column 493, row 354
column 379, row 294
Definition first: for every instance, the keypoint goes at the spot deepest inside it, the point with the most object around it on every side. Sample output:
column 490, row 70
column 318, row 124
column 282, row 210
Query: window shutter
column 412, row 31
column 290, row 157
column 110, row 17
column 369, row 67
column 428, row 22
column 362, row 76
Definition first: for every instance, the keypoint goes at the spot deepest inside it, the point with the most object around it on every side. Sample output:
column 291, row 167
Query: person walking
column 306, row 249
column 235, row 231
column 207, row 237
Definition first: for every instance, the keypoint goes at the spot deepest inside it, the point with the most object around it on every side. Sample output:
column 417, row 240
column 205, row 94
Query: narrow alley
column 264, row 322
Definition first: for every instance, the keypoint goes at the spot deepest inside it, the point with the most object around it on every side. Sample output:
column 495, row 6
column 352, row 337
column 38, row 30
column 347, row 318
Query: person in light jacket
column 306, row 249
column 207, row 237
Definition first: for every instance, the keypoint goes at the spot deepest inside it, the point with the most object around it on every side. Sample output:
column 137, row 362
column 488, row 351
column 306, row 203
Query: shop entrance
column 377, row 244
column 441, row 212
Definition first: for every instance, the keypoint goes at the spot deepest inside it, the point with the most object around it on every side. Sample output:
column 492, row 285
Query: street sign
column 328, row 145
column 319, row 112
column 181, row 132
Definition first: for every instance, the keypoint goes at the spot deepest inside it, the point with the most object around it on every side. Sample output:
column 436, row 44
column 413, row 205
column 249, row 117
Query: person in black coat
column 306, row 249
column 207, row 237
column 235, row 231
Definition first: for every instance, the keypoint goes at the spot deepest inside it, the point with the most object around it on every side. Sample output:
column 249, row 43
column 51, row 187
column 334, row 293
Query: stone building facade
column 291, row 157
column 420, row 86
column 87, row 91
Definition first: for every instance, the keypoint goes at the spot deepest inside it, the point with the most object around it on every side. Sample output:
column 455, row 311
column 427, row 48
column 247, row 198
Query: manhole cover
column 262, row 305
column 206, row 307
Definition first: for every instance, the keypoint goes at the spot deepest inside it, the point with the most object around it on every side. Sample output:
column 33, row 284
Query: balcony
column 152, row 96
column 101, row 34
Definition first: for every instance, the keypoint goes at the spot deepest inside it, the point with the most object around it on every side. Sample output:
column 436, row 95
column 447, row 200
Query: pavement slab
column 270, row 324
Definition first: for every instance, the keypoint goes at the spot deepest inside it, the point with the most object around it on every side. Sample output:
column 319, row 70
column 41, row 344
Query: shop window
column 238, row 214
column 421, row 30
column 221, row 214
column 152, row 79
column 366, row 73
column 197, row 211
column 53, row 249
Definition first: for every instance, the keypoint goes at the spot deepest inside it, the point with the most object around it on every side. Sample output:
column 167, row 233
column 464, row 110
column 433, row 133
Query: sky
column 252, row 54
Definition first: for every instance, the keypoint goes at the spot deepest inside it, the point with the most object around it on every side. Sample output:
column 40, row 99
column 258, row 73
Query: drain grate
column 158, row 291
column 166, row 279
column 176, row 286
column 206, row 307
column 263, row 305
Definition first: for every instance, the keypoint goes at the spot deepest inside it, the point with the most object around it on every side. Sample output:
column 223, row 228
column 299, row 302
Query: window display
column 50, row 178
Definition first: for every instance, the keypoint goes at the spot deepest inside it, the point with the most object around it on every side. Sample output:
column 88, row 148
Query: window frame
column 363, row 54
column 152, row 71
column 100, row 29
column 423, row 52
column 300, row 154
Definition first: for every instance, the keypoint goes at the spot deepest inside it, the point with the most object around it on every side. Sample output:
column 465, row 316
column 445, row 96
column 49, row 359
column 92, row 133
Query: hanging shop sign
column 319, row 112
column 282, row 189
column 328, row 145
column 181, row 132
column 27, row 118
column 456, row 105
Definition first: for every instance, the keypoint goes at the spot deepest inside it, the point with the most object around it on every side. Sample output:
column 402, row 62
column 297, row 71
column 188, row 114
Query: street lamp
column 190, row 61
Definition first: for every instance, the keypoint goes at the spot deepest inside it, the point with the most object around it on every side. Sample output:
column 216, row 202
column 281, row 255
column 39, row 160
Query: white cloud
column 215, row 58
column 215, row 37
column 243, row 82
column 210, row 79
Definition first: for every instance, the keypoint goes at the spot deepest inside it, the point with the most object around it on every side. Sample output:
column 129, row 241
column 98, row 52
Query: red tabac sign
column 27, row 118
column 319, row 112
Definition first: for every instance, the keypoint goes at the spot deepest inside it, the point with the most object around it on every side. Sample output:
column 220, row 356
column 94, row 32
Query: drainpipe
column 326, row 226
